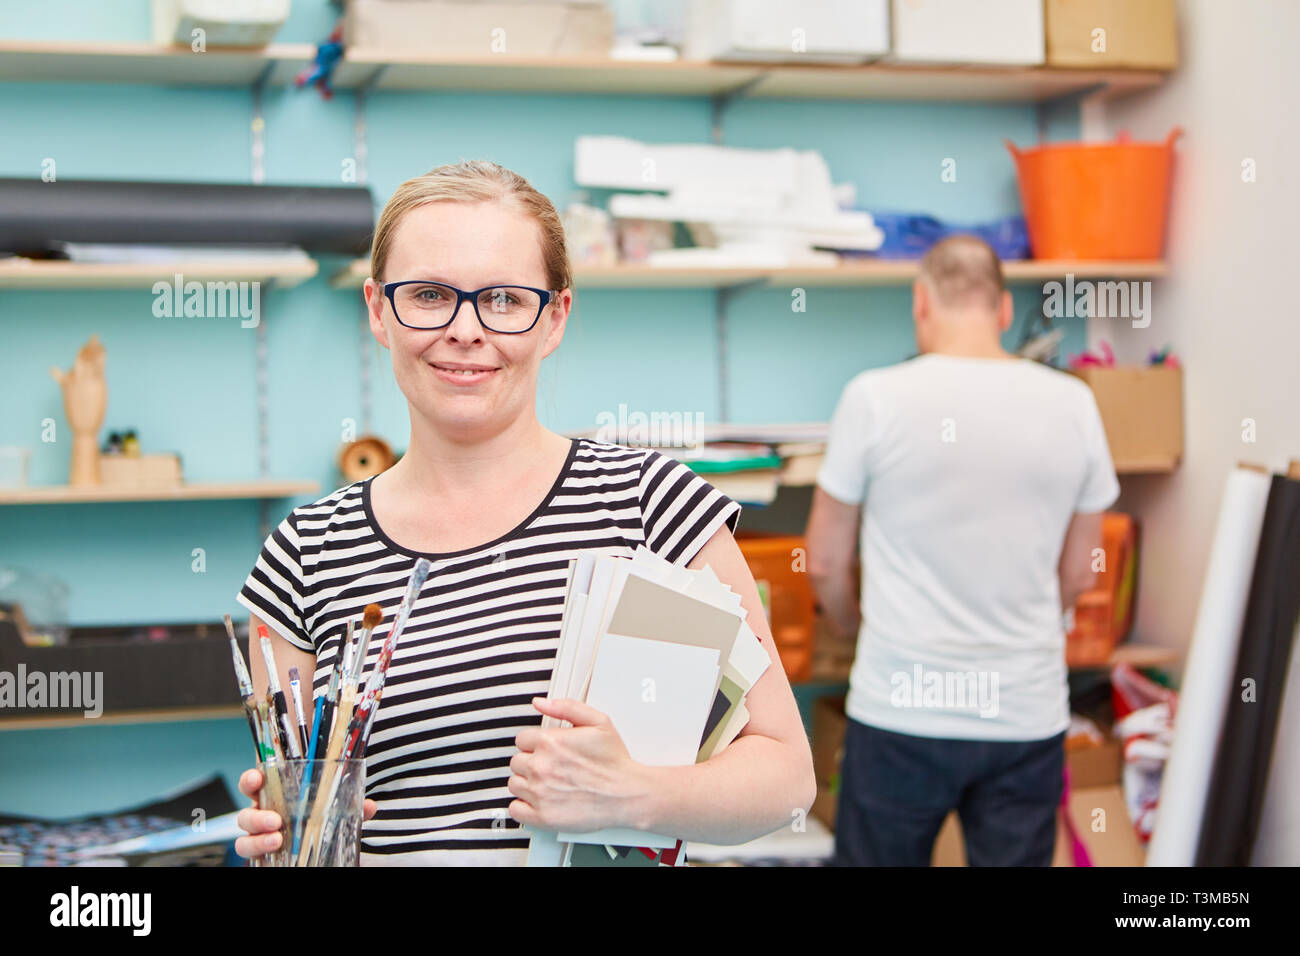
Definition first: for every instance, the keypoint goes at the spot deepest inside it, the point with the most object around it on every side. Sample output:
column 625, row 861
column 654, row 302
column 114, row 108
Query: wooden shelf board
column 92, row 62
column 67, row 494
column 874, row 272
column 170, row 715
column 552, row 74
column 899, row 81
column 21, row 273
column 602, row 75
column 85, row 62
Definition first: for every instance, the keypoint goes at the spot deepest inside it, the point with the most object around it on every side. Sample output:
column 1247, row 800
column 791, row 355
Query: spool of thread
column 364, row 458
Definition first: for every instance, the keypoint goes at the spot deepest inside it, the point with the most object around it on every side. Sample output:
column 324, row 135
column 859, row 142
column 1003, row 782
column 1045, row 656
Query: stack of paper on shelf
column 768, row 208
column 665, row 653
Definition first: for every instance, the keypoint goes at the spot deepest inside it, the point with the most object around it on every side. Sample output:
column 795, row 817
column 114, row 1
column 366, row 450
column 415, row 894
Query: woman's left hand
column 578, row 778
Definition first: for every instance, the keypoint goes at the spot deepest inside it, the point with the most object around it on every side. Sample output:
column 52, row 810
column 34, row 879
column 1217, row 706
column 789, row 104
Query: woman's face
column 468, row 245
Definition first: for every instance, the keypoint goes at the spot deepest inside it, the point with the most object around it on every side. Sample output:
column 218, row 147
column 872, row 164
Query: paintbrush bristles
column 372, row 616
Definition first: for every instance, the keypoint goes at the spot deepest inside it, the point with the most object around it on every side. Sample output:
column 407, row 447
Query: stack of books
column 665, row 653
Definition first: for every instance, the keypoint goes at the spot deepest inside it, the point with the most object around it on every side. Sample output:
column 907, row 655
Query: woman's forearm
column 755, row 786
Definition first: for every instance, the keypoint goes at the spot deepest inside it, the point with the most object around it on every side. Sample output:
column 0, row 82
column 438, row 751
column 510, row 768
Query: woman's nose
column 465, row 326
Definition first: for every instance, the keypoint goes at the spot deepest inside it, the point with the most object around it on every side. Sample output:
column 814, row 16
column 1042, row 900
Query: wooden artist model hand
column 85, row 399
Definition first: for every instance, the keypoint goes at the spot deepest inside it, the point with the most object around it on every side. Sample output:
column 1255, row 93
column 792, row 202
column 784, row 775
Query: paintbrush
column 246, row 692
column 289, row 739
column 332, row 689
column 371, row 618
column 270, row 766
column 295, row 692
column 348, row 739
column 363, row 716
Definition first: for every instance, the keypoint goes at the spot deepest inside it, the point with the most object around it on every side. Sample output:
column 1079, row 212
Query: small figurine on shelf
column 321, row 71
column 85, row 399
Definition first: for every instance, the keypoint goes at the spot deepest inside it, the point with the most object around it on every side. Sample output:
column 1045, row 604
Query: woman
column 457, row 761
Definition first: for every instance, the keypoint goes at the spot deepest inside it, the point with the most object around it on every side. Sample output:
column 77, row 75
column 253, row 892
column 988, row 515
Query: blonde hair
column 964, row 270
column 476, row 180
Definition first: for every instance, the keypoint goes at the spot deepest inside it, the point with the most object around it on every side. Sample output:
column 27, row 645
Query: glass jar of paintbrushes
column 313, row 772
column 320, row 807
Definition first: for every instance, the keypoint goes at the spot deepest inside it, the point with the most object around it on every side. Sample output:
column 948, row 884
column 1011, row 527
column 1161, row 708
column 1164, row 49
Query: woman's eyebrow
column 486, row 285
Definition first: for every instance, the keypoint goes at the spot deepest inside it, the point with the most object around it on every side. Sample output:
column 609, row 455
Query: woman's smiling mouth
column 459, row 373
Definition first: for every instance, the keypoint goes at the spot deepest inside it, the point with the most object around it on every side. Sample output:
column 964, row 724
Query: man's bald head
column 963, row 272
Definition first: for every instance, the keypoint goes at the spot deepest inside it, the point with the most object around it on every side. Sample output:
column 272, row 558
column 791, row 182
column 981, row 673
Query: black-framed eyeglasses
column 510, row 309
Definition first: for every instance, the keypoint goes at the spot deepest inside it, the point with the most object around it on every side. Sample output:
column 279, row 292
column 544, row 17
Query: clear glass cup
column 320, row 807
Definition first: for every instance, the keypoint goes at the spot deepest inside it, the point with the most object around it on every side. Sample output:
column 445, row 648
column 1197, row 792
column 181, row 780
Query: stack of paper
column 665, row 653
column 767, row 208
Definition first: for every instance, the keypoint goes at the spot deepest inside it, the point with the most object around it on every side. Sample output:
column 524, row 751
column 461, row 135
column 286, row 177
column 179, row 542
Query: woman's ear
column 558, row 311
column 374, row 297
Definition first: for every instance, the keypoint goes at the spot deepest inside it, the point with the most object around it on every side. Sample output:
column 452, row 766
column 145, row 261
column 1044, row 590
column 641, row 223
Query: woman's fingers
column 368, row 809
column 262, row 827
column 250, row 846
column 250, row 783
column 254, row 821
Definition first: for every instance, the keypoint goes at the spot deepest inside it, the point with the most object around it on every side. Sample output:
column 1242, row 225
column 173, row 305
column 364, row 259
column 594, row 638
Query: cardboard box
column 1112, row 34
column 445, row 28
column 1142, row 412
column 820, row 31
column 151, row 470
column 1096, row 766
column 958, row 31
column 1100, row 817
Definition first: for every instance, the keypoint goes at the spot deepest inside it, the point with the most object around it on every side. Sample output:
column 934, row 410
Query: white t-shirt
column 969, row 471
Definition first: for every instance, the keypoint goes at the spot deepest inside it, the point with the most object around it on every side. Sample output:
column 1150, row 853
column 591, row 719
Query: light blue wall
column 187, row 385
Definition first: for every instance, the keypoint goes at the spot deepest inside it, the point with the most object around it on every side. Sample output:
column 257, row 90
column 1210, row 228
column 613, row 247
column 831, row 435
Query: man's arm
column 832, row 539
column 1075, row 568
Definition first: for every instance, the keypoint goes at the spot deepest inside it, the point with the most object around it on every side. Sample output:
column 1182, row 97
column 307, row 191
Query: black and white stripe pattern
column 481, row 640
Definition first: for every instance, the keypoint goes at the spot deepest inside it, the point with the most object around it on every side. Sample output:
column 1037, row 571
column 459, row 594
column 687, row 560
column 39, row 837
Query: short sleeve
column 274, row 588
column 846, row 469
column 680, row 511
column 1100, row 487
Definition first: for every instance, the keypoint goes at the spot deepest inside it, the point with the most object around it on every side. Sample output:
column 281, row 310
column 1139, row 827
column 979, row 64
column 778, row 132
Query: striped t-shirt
column 480, row 642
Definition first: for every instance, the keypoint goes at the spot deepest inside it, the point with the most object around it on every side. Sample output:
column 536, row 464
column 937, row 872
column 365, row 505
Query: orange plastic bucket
column 1096, row 200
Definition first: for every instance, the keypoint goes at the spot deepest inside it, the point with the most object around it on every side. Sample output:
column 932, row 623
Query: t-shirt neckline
column 512, row 533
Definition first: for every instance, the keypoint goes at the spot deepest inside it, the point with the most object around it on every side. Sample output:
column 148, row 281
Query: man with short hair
column 976, row 483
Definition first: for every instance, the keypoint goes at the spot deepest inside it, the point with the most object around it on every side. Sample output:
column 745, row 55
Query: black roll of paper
column 33, row 214
column 1241, row 763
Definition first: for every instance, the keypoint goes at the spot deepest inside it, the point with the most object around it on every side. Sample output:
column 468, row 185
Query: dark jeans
column 896, row 789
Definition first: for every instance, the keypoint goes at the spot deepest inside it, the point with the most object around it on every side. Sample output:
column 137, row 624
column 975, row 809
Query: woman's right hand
column 262, row 826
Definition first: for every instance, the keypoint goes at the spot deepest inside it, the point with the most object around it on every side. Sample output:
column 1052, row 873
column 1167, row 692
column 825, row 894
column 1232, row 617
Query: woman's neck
column 438, row 464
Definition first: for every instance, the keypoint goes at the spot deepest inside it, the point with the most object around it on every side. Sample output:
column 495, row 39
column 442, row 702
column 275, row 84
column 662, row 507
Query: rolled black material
column 33, row 214
column 1241, row 763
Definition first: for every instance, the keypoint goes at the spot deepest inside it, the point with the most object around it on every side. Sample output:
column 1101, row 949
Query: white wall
column 1229, row 308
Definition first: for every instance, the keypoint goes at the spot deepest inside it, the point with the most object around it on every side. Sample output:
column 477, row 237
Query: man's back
column 969, row 471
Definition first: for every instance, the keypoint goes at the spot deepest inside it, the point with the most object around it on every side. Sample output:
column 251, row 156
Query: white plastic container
column 223, row 22
column 1008, row 32
column 817, row 31
column 13, row 466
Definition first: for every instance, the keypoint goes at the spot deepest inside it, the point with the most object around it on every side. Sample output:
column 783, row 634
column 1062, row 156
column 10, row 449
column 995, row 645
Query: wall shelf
column 207, row 491
column 20, row 273
column 278, row 64
column 32, row 61
column 603, row 75
column 173, row 715
column 879, row 272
